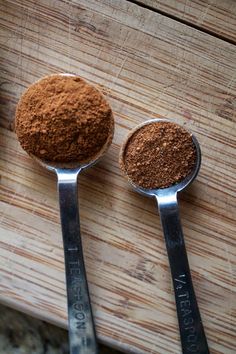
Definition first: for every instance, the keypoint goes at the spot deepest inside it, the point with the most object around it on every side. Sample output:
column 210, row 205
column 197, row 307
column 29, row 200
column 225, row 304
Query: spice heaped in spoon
column 66, row 125
column 160, row 159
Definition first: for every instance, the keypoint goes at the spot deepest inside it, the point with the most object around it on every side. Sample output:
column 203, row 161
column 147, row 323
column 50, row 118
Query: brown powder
column 63, row 119
column 159, row 155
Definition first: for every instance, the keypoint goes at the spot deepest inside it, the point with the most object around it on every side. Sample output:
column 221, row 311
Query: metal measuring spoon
column 82, row 335
column 192, row 333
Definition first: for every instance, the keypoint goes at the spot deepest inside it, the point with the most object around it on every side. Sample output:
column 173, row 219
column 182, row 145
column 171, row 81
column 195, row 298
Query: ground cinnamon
column 63, row 119
column 159, row 155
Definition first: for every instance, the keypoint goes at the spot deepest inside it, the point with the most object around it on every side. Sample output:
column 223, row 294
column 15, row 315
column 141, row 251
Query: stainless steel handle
column 192, row 333
column 82, row 334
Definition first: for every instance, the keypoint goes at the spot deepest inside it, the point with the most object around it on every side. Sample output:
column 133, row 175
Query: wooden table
column 152, row 59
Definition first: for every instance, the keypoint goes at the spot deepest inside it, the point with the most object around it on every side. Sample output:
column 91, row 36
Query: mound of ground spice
column 63, row 119
column 158, row 155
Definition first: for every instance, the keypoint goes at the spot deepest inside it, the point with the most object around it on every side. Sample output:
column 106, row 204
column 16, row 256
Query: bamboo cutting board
column 148, row 66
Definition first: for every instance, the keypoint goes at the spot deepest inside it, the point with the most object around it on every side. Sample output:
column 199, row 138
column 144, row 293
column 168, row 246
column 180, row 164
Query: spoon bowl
column 174, row 188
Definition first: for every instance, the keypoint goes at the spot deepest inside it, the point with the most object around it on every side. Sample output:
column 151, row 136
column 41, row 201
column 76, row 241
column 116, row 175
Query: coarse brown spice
column 63, row 119
column 159, row 155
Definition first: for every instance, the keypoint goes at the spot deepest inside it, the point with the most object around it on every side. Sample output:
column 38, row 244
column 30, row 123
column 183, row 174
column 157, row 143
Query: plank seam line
column 184, row 22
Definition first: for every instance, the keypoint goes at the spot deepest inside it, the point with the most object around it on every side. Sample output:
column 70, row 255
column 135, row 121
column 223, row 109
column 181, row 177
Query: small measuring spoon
column 82, row 335
column 192, row 333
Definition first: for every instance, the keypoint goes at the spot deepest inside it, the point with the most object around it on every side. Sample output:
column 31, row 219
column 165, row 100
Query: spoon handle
column 192, row 333
column 82, row 334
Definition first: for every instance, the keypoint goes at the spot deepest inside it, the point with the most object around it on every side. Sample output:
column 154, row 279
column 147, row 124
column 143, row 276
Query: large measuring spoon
column 82, row 335
column 192, row 333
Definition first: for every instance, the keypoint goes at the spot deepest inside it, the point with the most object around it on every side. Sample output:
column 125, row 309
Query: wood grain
column 217, row 16
column 148, row 66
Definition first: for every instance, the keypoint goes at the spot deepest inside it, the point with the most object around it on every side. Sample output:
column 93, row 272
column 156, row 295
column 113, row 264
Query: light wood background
column 149, row 66
column 215, row 16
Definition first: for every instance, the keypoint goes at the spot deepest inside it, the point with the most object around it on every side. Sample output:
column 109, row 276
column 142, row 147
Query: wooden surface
column 216, row 16
column 148, row 66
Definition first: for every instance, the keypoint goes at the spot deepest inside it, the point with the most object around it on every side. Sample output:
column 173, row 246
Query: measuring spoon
column 82, row 335
column 192, row 333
